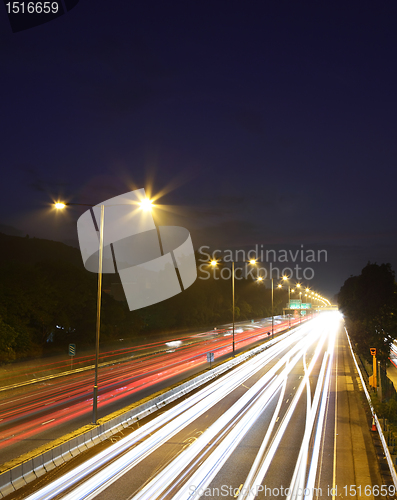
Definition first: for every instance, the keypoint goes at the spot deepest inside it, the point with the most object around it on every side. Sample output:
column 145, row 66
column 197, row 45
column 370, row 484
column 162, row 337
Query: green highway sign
column 296, row 304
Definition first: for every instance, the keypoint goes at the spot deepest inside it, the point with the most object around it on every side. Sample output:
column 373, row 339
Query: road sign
column 373, row 382
column 72, row 349
column 297, row 304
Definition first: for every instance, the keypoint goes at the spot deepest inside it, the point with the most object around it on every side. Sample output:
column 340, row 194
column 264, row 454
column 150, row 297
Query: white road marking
column 48, row 421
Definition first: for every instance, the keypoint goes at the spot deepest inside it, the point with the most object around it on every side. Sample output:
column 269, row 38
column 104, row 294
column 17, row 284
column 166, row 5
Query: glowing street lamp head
column 59, row 205
column 252, row 261
column 260, row 278
column 146, row 204
column 298, row 285
column 279, row 286
column 213, row 263
column 285, row 278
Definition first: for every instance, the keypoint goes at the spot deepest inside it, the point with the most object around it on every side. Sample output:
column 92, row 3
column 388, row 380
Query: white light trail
column 226, row 436
column 223, row 448
column 188, row 410
column 299, row 476
column 263, row 460
column 164, row 478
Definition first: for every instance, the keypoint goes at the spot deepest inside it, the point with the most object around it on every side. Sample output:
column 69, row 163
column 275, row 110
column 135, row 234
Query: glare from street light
column 252, row 261
column 260, row 278
column 213, row 263
column 59, row 205
column 146, row 204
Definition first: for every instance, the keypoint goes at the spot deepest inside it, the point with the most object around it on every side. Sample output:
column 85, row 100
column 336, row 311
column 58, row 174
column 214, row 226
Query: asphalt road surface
column 54, row 405
column 289, row 423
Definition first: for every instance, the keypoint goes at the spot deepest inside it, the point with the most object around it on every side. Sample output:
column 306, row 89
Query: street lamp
column 285, row 278
column 259, row 278
column 214, row 263
column 145, row 204
column 298, row 285
column 307, row 294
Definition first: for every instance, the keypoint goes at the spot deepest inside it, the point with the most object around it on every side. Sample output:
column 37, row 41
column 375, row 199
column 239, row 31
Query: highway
column 286, row 424
column 33, row 414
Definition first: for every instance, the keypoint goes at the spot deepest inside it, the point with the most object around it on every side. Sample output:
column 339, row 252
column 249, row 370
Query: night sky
column 258, row 123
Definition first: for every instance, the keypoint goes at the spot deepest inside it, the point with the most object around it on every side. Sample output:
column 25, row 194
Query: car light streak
column 208, row 469
column 163, row 480
column 257, row 475
column 177, row 418
column 77, row 390
column 211, row 466
column 150, row 436
column 317, row 439
column 160, row 485
column 258, row 458
column 62, row 368
column 299, row 476
column 111, row 473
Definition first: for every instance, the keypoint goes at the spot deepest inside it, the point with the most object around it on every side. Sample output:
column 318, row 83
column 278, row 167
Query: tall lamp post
column 145, row 204
column 307, row 294
column 285, row 278
column 300, row 302
column 292, row 291
column 272, row 309
column 261, row 279
column 214, row 263
column 233, row 302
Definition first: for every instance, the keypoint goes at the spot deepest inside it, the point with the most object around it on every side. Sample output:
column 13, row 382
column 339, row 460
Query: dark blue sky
column 267, row 123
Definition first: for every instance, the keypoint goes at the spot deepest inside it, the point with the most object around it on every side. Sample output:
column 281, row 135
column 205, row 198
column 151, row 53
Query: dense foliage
column 48, row 299
column 369, row 304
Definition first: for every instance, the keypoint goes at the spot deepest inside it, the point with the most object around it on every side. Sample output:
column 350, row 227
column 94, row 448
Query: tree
column 11, row 342
column 369, row 304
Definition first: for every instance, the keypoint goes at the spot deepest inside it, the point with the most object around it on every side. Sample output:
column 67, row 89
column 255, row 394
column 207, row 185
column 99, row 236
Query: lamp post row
column 214, row 263
column 146, row 203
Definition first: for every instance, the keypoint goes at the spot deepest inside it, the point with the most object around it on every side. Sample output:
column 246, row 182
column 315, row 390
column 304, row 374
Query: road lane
column 289, row 419
column 32, row 416
column 233, row 424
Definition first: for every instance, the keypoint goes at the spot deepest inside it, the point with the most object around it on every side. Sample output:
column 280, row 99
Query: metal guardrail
column 378, row 426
